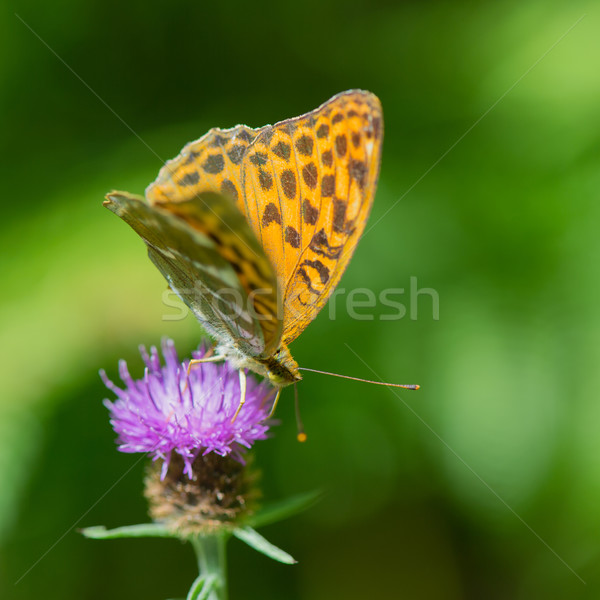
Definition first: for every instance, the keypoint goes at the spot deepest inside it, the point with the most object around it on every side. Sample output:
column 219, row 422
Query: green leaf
column 258, row 542
column 277, row 511
column 130, row 531
column 202, row 587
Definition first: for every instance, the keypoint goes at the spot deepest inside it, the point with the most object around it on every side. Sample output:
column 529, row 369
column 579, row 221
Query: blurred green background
column 486, row 483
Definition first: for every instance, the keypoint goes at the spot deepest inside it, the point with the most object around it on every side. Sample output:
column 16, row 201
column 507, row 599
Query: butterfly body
column 280, row 368
column 253, row 228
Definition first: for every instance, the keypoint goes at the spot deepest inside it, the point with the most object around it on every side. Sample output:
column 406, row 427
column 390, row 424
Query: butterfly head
column 281, row 369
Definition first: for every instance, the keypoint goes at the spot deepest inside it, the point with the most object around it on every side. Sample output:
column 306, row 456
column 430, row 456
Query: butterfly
column 253, row 228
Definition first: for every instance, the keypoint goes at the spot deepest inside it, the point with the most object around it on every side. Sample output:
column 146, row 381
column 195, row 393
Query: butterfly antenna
column 398, row 385
column 301, row 437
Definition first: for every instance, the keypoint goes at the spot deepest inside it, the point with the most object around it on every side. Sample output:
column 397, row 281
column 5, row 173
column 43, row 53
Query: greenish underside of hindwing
column 206, row 251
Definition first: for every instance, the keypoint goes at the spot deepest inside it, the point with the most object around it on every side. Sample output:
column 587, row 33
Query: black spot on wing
column 271, row 215
column 304, row 145
column 228, row 189
column 288, row 183
column 310, row 175
column 265, row 179
column 358, row 172
column 309, row 212
column 215, row 238
column 341, row 144
column 292, row 237
column 377, row 127
column 259, row 159
column 328, row 186
column 267, row 135
column 192, row 157
column 236, row 153
column 245, row 135
column 282, row 150
column 323, row 131
column 189, row 179
column 320, row 244
column 214, row 164
column 218, row 141
column 339, row 215
column 320, row 268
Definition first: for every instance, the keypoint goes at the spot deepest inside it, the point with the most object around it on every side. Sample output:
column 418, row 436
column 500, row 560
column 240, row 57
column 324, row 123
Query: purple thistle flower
column 166, row 412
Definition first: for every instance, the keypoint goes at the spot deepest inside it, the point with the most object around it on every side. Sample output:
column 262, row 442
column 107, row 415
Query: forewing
column 306, row 186
column 211, row 259
column 309, row 183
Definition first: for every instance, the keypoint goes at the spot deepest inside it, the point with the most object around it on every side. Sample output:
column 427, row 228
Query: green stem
column 212, row 560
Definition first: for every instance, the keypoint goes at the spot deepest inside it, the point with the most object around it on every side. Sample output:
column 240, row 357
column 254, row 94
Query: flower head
column 167, row 412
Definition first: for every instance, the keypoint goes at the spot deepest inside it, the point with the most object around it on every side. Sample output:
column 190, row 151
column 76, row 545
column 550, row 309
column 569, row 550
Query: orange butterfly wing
column 306, row 186
column 309, row 183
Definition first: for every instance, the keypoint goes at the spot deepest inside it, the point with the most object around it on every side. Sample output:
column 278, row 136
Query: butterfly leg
column 242, row 394
column 274, row 404
column 199, row 361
